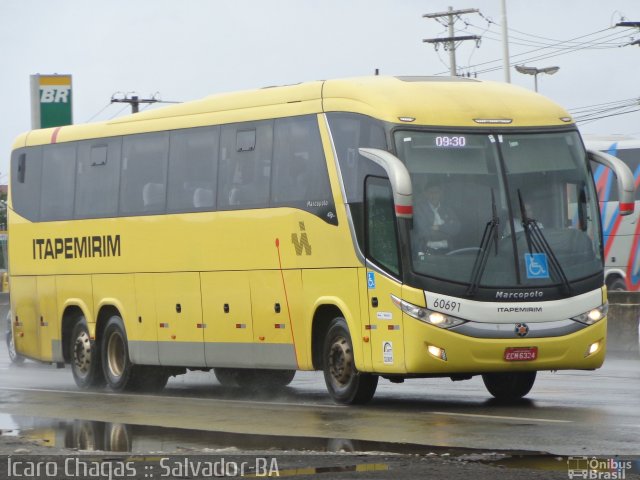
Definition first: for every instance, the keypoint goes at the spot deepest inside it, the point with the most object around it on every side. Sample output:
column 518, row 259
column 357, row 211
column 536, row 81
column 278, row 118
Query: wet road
column 567, row 413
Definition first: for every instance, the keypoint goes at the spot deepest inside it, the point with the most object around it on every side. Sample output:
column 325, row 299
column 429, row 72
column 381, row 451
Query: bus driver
column 435, row 224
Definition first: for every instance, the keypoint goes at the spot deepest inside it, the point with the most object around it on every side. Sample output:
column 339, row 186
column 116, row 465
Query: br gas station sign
column 51, row 101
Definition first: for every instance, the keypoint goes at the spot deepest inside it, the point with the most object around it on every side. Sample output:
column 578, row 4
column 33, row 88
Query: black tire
column 227, row 377
column 119, row 373
column 254, row 379
column 280, row 378
column 510, row 386
column 148, row 378
column 14, row 356
column 616, row 284
column 345, row 384
column 85, row 357
column 118, row 369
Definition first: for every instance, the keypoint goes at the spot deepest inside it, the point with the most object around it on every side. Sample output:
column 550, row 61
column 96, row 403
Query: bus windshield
column 515, row 209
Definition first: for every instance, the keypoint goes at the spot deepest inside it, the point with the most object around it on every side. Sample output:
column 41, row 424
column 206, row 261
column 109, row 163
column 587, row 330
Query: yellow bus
column 395, row 227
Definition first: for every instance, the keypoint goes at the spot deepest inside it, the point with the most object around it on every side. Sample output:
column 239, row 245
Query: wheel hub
column 115, row 354
column 341, row 361
column 82, row 354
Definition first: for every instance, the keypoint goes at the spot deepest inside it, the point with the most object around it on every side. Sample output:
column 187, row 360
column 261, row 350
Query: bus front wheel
column 509, row 386
column 345, row 384
column 85, row 357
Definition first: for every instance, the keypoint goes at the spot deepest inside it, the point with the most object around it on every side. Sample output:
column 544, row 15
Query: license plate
column 521, row 354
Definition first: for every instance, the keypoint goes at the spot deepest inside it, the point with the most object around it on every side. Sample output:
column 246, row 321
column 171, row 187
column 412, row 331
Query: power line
column 561, row 48
column 542, row 56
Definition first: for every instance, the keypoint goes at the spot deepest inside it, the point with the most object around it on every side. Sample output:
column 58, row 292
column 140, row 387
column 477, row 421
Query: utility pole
column 629, row 24
column 134, row 101
column 505, row 43
column 450, row 41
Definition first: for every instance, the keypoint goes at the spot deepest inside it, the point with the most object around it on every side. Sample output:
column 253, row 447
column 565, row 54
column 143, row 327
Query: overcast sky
column 187, row 49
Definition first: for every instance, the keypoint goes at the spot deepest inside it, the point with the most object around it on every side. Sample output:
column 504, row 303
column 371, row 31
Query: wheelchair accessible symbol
column 537, row 265
column 371, row 280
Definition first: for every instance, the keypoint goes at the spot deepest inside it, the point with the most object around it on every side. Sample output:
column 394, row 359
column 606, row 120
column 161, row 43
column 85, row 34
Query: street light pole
column 536, row 71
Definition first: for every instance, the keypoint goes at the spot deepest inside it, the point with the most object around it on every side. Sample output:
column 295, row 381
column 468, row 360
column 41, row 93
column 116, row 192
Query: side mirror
column 624, row 176
column 398, row 176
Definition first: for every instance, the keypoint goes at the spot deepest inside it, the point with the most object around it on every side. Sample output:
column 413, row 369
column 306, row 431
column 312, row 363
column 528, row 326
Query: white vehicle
column 620, row 233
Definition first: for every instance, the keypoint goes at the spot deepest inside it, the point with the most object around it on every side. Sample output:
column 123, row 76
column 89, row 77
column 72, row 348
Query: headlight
column 593, row 316
column 425, row 315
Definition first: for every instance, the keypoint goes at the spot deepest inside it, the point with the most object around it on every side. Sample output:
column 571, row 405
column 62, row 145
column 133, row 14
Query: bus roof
column 430, row 101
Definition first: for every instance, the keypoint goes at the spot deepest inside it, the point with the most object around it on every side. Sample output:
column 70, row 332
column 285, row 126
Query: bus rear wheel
column 85, row 357
column 14, row 356
column 345, row 384
column 119, row 372
column 509, row 386
column 118, row 369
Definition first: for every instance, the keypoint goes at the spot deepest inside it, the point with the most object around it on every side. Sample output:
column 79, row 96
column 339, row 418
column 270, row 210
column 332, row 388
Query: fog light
column 593, row 348
column 437, row 352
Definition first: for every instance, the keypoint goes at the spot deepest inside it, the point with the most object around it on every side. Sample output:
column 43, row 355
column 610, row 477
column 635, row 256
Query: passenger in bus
column 435, row 224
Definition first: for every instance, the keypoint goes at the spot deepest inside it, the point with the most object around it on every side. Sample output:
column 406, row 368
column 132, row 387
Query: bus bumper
column 432, row 350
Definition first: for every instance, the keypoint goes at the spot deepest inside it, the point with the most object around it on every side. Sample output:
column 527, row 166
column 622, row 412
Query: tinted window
column 59, row 177
column 144, row 173
column 382, row 242
column 193, row 166
column 98, row 178
column 350, row 132
column 26, row 173
column 245, row 165
column 300, row 177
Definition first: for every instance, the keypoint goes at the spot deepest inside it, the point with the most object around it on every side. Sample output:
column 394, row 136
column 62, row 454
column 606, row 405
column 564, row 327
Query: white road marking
column 500, row 417
column 156, row 396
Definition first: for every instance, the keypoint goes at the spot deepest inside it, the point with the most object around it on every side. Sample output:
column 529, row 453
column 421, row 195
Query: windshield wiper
column 491, row 232
column 537, row 242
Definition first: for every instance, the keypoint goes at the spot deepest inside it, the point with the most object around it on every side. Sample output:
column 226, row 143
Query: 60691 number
column 448, row 305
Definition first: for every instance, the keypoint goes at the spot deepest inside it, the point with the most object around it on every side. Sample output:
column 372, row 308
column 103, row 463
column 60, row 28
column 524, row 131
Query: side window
column 350, row 132
column 26, row 174
column 193, row 165
column 245, row 165
column 59, row 178
column 382, row 241
column 143, row 185
column 98, row 178
column 299, row 173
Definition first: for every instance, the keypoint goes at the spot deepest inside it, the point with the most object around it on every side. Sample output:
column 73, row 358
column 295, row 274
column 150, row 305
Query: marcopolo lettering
column 502, row 295
column 91, row 246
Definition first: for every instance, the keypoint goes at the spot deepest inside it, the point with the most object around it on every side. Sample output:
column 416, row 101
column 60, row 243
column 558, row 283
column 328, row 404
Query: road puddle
column 95, row 436
column 86, row 435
